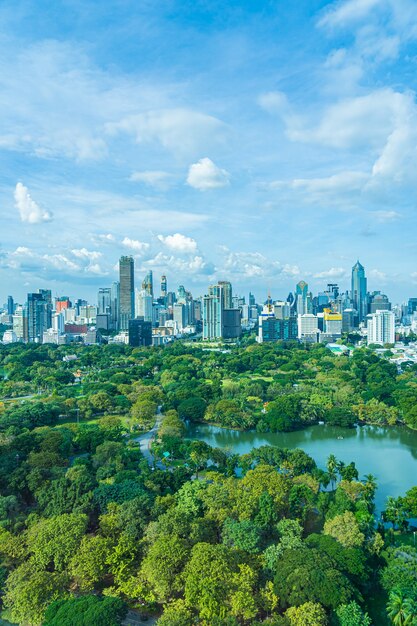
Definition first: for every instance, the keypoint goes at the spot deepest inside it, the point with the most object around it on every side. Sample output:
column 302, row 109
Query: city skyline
column 262, row 144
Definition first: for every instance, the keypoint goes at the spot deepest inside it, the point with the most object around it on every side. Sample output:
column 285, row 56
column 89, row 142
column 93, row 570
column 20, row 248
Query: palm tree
column 402, row 611
column 331, row 466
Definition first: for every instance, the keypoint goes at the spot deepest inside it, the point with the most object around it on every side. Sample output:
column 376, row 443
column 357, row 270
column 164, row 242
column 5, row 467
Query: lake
column 390, row 453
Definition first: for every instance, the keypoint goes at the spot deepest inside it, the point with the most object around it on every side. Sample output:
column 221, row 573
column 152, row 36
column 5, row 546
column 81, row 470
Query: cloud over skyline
column 229, row 153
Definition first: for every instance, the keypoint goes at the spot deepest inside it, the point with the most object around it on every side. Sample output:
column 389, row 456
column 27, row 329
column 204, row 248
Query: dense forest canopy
column 92, row 526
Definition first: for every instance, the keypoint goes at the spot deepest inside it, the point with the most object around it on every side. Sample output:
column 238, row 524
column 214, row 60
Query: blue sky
column 260, row 142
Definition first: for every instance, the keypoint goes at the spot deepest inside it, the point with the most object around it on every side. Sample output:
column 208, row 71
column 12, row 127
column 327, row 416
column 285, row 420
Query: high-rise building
column 308, row 327
column 379, row 302
column 301, row 292
column 412, row 305
column 140, row 333
column 127, row 292
column 179, row 315
column 164, row 287
column 359, row 290
column 10, row 305
column 227, row 293
column 349, row 320
column 275, row 329
column 213, row 313
column 104, row 301
column 381, row 327
column 332, row 322
column 115, row 304
column 20, row 323
column 147, row 283
column 38, row 313
column 62, row 303
column 232, row 326
column 143, row 305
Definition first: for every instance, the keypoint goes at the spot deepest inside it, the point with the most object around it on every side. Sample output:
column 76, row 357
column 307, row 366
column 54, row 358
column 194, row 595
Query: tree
column 352, row 615
column 88, row 565
column 331, row 466
column 401, row 610
column 54, row 541
column 345, row 529
column 176, row 613
column 29, row 592
column 163, row 564
column 307, row 614
column 86, row 611
column 307, row 575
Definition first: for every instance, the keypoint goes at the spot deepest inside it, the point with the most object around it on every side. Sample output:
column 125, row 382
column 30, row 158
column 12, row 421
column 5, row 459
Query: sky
column 257, row 142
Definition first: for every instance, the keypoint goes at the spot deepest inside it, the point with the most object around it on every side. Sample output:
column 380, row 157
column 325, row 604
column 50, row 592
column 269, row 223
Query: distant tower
column 227, row 293
column 164, row 288
column 359, row 289
column 127, row 291
column 301, row 291
column 147, row 283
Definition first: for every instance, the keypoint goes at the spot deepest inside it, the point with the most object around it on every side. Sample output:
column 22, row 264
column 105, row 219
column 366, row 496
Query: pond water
column 389, row 453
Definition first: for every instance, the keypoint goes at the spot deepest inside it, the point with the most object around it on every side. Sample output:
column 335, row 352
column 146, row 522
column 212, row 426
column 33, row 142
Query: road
column 145, row 442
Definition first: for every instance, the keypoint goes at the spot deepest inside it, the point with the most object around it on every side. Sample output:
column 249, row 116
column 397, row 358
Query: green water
column 388, row 453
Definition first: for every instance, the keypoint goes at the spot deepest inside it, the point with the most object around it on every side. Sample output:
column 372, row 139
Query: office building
column 126, row 292
column 332, row 323
column 10, row 305
column 359, row 290
column 39, row 316
column 147, row 283
column 213, row 313
column 140, row 333
column 378, row 302
column 227, row 293
column 164, row 287
column 62, row 303
column 143, row 305
column 278, row 329
column 232, row 326
column 381, row 327
column 301, row 292
column 104, row 301
column 308, row 327
column 349, row 320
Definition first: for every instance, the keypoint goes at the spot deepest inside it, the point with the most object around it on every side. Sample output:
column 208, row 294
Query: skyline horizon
column 140, row 274
column 263, row 143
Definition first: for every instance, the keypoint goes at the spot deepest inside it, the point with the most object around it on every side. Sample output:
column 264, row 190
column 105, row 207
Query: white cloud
column 83, row 253
column 249, row 265
column 181, row 131
column 274, row 102
column 386, row 216
column 29, row 210
column 344, row 13
column 193, row 265
column 136, row 245
column 153, row 178
column 333, row 273
column 179, row 243
column 205, row 175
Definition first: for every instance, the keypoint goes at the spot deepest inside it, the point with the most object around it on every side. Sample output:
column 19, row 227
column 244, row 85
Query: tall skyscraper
column 164, row 288
column 227, row 293
column 213, row 313
column 301, row 291
column 37, row 316
column 115, row 304
column 127, row 291
column 147, row 283
column 104, row 301
column 359, row 288
column 10, row 305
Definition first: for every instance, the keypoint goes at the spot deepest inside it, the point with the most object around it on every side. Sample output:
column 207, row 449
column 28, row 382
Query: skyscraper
column 10, row 305
column 227, row 293
column 147, row 283
column 301, row 291
column 104, row 301
column 115, row 304
column 127, row 291
column 359, row 287
column 164, row 288
column 213, row 313
column 37, row 316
